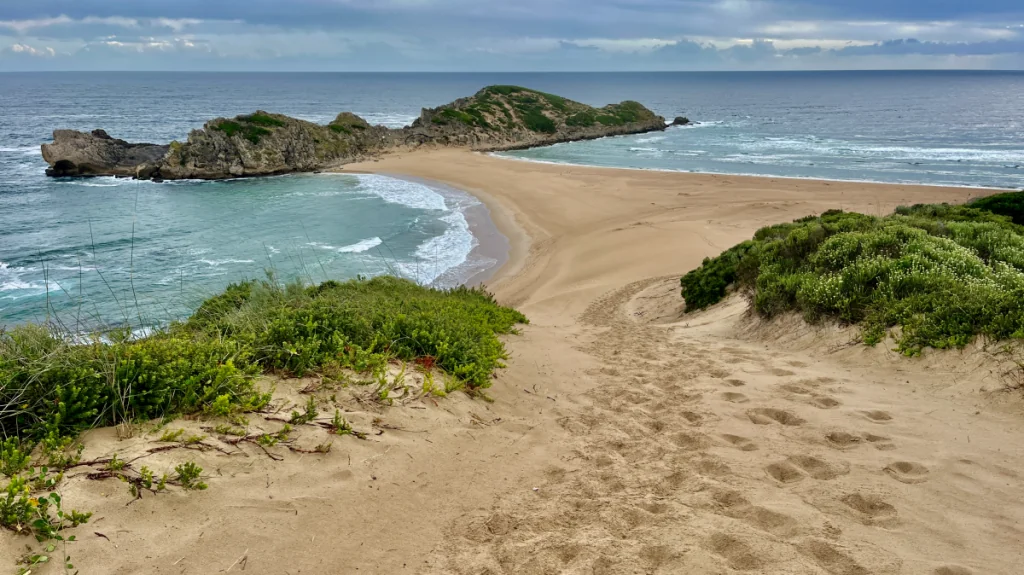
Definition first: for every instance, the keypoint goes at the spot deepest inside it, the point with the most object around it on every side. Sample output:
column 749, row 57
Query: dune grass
column 941, row 274
column 51, row 384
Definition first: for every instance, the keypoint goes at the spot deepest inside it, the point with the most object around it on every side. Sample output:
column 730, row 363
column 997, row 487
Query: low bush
column 264, row 120
column 360, row 324
column 1010, row 204
column 943, row 274
column 51, row 386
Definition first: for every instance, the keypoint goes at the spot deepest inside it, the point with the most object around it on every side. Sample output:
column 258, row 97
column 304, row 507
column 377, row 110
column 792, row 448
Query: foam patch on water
column 396, row 191
column 225, row 262
column 356, row 248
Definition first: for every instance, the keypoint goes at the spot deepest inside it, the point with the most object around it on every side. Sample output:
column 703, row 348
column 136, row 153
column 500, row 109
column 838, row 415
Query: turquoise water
column 943, row 128
column 110, row 251
column 107, row 251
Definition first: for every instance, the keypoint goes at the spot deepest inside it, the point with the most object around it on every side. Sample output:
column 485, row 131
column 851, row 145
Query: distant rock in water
column 681, row 121
column 262, row 143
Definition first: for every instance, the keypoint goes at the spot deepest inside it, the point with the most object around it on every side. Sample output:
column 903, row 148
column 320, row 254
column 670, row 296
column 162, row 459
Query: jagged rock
column 97, row 154
column 681, row 121
column 496, row 118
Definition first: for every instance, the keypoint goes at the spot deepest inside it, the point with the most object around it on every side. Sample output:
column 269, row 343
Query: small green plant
column 188, row 476
column 339, row 426
column 115, row 464
column 61, row 452
column 171, row 436
column 13, row 458
column 307, row 415
column 225, row 429
column 272, row 439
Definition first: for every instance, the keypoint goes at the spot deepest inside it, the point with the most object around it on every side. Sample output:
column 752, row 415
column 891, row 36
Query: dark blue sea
column 106, row 251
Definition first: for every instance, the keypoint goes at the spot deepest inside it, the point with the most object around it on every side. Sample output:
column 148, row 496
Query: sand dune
column 624, row 438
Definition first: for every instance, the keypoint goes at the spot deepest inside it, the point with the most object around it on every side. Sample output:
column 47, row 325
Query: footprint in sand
column 690, row 441
column 768, row 415
column 952, row 570
column 784, row 472
column 843, row 440
column 692, row 418
column 734, row 505
column 741, row 443
column 819, row 468
column 779, row 372
column 738, row 554
column 831, row 558
column 735, row 382
column 794, row 388
column 907, row 472
column 825, row 402
column 871, row 509
column 881, row 442
column 878, row 416
column 733, row 397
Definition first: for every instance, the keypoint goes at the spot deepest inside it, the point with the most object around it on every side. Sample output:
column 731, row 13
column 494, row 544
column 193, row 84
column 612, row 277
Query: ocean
column 105, row 251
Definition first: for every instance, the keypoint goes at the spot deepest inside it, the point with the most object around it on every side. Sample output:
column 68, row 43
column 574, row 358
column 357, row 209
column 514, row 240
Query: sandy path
column 656, row 445
column 704, row 447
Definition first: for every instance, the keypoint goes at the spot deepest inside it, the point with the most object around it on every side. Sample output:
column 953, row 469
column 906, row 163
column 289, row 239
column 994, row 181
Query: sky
column 510, row 35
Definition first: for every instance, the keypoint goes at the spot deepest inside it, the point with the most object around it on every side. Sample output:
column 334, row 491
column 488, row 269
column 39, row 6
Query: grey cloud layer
column 521, row 34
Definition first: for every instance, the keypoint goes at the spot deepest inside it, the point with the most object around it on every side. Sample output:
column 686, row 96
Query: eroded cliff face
column 259, row 144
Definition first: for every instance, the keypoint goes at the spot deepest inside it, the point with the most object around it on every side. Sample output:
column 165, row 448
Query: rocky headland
column 259, row 144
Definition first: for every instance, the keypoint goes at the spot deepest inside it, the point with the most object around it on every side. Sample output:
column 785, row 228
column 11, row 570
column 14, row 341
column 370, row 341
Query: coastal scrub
column 942, row 274
column 52, row 384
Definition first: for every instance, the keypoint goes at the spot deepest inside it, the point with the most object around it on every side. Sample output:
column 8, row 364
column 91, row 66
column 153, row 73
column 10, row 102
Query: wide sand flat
column 624, row 438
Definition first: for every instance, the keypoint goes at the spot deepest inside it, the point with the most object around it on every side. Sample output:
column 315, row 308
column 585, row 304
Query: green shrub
column 52, row 387
column 264, row 120
column 536, row 121
column 582, row 119
column 249, row 132
column 1010, row 204
column 944, row 274
column 361, row 323
column 339, row 129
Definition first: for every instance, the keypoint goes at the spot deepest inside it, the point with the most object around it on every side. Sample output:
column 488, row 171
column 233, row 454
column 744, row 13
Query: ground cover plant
column 941, row 274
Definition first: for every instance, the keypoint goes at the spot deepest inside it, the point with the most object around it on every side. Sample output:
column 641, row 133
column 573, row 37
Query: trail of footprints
column 654, row 487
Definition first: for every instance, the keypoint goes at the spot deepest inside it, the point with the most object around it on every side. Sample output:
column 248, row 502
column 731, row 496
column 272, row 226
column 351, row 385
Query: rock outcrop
column 258, row 144
column 97, row 154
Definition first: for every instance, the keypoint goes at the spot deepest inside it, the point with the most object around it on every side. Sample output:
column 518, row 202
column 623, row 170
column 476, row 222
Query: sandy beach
column 623, row 437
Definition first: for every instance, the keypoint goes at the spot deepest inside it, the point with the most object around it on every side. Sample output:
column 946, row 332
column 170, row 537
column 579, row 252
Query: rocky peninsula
column 260, row 144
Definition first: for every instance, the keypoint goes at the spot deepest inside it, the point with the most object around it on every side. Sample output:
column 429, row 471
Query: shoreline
column 539, row 206
column 490, row 244
column 498, row 155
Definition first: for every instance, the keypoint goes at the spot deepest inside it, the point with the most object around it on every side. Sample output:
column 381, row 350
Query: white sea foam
column 356, row 248
column 229, row 261
column 441, row 253
column 649, row 140
column 402, row 192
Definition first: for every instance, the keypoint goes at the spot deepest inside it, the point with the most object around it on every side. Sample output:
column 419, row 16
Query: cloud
column 516, row 35
column 25, row 49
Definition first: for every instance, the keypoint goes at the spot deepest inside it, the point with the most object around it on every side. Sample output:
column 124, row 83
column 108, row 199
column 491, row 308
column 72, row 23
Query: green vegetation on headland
column 941, row 274
column 511, row 108
column 52, row 386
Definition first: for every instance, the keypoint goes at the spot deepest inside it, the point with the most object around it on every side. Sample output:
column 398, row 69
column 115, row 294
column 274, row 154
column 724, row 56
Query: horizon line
column 424, row 72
